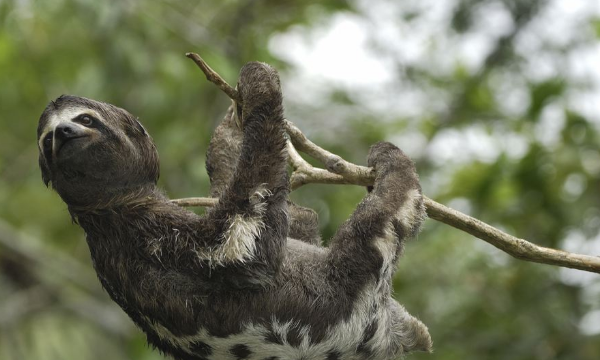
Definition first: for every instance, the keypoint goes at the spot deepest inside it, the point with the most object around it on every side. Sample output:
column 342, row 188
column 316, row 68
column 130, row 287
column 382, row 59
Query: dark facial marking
column 240, row 351
column 103, row 128
column 85, row 120
column 47, row 146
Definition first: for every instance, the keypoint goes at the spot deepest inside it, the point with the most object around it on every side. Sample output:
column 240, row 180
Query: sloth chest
column 150, row 295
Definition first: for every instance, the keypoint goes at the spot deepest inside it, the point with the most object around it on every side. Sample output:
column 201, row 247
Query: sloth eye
column 85, row 120
column 48, row 141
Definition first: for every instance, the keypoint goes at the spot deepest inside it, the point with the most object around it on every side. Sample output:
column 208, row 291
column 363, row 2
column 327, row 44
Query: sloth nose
column 66, row 131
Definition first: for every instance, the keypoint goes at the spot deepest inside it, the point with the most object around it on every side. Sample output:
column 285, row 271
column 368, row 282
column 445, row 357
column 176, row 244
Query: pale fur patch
column 240, row 240
column 412, row 211
column 387, row 246
column 382, row 342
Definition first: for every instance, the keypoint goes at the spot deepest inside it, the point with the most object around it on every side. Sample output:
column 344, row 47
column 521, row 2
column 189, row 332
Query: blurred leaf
column 541, row 94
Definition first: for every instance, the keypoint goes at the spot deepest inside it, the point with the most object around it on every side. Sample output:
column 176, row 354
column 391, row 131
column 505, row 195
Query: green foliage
column 477, row 301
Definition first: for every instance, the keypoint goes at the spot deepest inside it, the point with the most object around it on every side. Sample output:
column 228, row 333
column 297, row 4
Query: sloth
column 250, row 278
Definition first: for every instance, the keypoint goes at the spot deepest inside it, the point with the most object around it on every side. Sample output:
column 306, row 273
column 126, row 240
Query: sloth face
column 88, row 148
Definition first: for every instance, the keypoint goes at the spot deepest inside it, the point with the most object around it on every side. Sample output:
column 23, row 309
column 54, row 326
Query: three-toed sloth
column 249, row 279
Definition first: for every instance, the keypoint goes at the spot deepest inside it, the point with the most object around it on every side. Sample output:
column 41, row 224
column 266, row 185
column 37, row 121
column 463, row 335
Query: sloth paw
column 385, row 155
column 258, row 86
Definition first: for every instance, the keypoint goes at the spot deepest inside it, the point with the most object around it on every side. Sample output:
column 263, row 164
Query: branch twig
column 213, row 77
column 340, row 171
column 196, row 201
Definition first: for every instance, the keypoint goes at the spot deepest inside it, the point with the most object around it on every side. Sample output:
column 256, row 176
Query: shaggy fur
column 249, row 280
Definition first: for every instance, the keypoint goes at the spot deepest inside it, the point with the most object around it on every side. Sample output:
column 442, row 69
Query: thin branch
column 196, row 201
column 296, row 161
column 213, row 77
column 304, row 173
column 340, row 171
column 351, row 174
column 518, row 248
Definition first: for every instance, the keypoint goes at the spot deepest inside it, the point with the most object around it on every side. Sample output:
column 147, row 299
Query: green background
column 492, row 132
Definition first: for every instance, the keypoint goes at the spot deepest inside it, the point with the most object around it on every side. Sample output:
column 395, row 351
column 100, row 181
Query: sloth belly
column 370, row 332
column 273, row 325
column 260, row 342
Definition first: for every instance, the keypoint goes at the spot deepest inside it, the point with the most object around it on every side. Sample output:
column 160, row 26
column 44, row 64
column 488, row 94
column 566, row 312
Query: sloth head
column 92, row 152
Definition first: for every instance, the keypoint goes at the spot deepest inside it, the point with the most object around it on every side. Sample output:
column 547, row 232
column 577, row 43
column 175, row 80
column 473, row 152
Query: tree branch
column 340, row 171
column 196, row 201
column 518, row 248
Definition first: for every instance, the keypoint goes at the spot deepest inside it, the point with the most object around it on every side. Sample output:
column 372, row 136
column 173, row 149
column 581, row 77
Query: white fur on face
column 65, row 115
